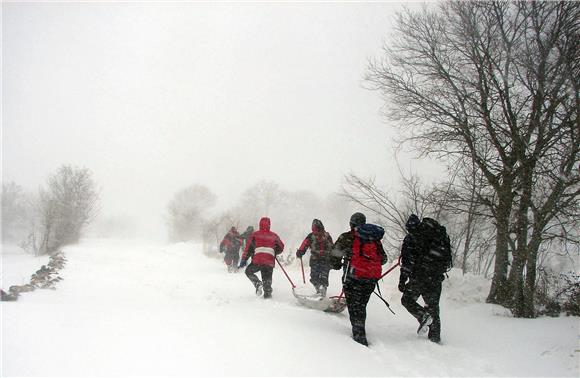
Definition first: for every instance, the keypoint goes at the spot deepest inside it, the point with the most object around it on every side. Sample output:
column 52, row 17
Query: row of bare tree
column 55, row 216
column 491, row 88
column 191, row 215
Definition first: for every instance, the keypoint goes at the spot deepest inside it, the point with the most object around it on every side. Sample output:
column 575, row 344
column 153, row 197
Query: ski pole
column 302, row 266
column 286, row 274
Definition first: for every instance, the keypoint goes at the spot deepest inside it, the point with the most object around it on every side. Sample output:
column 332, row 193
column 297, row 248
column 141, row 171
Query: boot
column 359, row 335
column 424, row 324
column 322, row 291
column 259, row 290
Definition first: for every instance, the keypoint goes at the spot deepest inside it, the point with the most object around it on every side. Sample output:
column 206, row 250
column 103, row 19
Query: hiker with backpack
column 320, row 243
column 263, row 246
column 361, row 255
column 425, row 258
column 230, row 247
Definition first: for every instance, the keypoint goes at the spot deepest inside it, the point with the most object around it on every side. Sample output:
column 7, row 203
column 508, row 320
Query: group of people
column 231, row 244
column 425, row 257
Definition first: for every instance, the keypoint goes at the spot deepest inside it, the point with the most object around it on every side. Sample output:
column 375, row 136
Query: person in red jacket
column 230, row 247
column 320, row 244
column 263, row 245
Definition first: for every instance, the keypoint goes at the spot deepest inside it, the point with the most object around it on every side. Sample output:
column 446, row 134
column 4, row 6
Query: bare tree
column 495, row 83
column 392, row 210
column 187, row 213
column 62, row 210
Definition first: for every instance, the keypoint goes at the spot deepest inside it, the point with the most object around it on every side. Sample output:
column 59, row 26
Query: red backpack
column 366, row 261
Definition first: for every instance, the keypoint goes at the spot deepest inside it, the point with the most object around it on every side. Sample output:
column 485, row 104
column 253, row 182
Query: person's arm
column 337, row 253
column 384, row 257
column 249, row 251
column 303, row 247
column 278, row 245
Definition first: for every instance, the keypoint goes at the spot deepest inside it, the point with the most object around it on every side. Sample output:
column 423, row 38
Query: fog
column 154, row 97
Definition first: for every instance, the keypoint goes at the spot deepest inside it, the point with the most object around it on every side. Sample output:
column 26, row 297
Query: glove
column 300, row 254
column 402, row 282
column 242, row 264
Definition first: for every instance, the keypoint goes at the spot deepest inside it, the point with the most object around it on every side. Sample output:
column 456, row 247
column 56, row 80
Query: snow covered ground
column 18, row 265
column 128, row 308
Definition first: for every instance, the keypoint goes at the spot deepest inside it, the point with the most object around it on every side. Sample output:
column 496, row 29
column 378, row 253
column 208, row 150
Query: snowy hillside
column 130, row 308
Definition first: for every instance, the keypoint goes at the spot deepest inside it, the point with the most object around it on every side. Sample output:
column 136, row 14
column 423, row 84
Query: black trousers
column 319, row 269
column 430, row 290
column 232, row 258
column 266, row 273
column 357, row 293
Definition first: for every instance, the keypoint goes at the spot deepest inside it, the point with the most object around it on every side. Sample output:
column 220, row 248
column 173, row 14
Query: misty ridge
column 489, row 90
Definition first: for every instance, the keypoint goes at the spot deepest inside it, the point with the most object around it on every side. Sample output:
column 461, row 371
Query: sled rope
column 286, row 274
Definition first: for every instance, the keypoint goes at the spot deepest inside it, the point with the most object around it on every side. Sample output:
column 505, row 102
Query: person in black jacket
column 320, row 243
column 357, row 287
column 419, row 278
column 245, row 236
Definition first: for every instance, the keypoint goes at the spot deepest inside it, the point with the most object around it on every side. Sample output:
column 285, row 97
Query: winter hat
column 413, row 222
column 357, row 219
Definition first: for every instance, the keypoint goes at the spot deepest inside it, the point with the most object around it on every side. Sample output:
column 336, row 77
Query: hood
column 265, row 224
column 317, row 226
column 412, row 223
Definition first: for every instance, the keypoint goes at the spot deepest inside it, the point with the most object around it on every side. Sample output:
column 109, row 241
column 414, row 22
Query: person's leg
column 432, row 295
column 251, row 271
column 314, row 273
column 267, row 280
column 357, row 294
column 228, row 260
column 324, row 272
column 409, row 299
column 235, row 259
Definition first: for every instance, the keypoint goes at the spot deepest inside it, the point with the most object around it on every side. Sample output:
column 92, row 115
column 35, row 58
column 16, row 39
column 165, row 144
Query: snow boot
column 322, row 291
column 435, row 339
column 259, row 290
column 267, row 295
column 424, row 324
column 361, row 340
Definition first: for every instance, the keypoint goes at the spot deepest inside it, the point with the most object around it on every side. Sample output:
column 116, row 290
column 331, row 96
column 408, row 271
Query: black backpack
column 437, row 247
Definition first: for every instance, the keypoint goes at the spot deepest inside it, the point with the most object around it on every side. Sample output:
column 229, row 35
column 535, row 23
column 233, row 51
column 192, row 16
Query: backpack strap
column 381, row 298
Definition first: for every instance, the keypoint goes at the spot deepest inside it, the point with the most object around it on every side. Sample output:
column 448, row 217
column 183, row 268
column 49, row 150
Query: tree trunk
column 531, row 269
column 499, row 290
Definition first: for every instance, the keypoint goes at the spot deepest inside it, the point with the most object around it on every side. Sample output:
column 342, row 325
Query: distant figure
column 360, row 253
column 262, row 247
column 246, row 235
column 320, row 244
column 230, row 246
column 425, row 257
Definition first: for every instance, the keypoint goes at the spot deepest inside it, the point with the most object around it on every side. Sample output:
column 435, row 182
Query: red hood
column 265, row 224
column 317, row 226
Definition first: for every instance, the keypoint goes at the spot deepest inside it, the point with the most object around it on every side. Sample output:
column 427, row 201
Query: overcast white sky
column 153, row 97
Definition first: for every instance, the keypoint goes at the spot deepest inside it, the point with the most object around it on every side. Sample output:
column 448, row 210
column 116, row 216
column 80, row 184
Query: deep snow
column 136, row 308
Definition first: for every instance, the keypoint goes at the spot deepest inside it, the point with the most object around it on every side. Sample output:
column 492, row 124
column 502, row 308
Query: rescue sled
column 333, row 304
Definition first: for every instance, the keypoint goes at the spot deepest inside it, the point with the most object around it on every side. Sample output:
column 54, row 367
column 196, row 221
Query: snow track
column 131, row 308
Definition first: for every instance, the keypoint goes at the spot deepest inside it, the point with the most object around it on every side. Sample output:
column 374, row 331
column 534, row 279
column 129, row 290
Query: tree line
column 191, row 213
